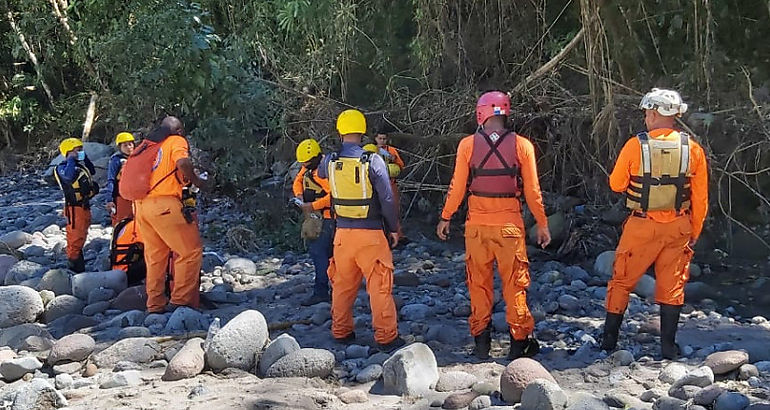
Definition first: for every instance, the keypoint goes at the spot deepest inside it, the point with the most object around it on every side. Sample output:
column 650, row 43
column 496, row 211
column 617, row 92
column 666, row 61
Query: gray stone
column 412, row 370
column 16, row 239
column 670, row 403
column 645, row 287
column 708, row 395
column 238, row 342
column 415, row 311
column 15, row 336
column 454, row 381
column 356, row 352
column 134, row 331
column 731, row 401
column 68, row 368
column 697, row 291
column 100, row 295
column 649, row 396
column 278, row 348
column 684, row 392
column 139, row 350
column 188, row 362
column 121, row 379
column 15, row 369
column 84, row 283
column 763, row 367
column 585, row 401
column 603, row 264
column 80, row 383
column 725, row 362
column 24, row 271
column 18, row 305
column 95, row 308
column 241, row 266
column 156, row 319
column 543, row 395
column 518, row 375
column 459, row 400
column 38, row 394
column 71, row 348
column 369, row 373
column 622, row 358
column 445, row 334
column 622, row 401
column 377, row 358
column 70, row 324
column 747, row 371
column 133, row 298
column 57, row 281
column 353, row 396
column 303, row 363
column 569, row 303
column 6, row 261
column 126, row 365
column 63, row 381
column 672, row 373
column 47, row 297
column 185, row 319
column 62, row 306
column 481, row 402
column 701, row 377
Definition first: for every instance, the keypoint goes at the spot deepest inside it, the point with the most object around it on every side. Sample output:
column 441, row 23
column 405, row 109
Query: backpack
column 134, row 184
column 127, row 251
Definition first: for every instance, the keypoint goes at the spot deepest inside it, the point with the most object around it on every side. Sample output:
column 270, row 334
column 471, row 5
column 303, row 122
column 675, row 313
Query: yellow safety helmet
column 307, row 150
column 351, row 122
column 124, row 137
column 69, row 144
column 370, row 147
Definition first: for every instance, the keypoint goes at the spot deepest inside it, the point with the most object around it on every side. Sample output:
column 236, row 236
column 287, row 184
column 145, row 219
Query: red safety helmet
column 491, row 104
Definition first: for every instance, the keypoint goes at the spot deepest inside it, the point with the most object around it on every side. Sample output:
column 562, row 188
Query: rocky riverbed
column 84, row 341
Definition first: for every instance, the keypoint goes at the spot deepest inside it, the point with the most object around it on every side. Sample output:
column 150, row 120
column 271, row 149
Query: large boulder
column 241, row 266
column 15, row 337
column 38, row 394
column 543, row 394
column 188, row 362
column 84, row 283
column 19, row 304
column 16, row 239
column 6, row 261
column 62, row 306
column 137, row 350
column 278, row 348
column 24, row 271
column 701, row 377
column 58, row 281
column 71, row 348
column 411, row 371
column 303, row 363
column 15, row 369
column 238, row 342
column 725, row 362
column 518, row 375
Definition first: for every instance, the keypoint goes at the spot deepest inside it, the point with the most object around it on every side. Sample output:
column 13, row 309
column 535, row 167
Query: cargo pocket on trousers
column 521, row 269
column 619, row 265
column 684, row 268
column 331, row 271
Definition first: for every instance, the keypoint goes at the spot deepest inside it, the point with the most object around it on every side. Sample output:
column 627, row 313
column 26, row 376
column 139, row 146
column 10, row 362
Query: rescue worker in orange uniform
column 314, row 194
column 119, row 207
column 495, row 166
column 162, row 224
column 362, row 202
column 395, row 166
column 75, row 178
column 664, row 175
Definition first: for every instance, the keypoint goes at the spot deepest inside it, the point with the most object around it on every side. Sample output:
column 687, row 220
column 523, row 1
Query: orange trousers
column 485, row 244
column 164, row 229
column 397, row 202
column 78, row 221
column 644, row 242
column 362, row 253
column 123, row 209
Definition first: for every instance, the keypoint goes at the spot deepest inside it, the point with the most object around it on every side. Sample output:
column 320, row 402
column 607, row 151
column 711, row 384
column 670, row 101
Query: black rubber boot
column 396, row 344
column 350, row 338
column 77, row 265
column 316, row 298
column 483, row 344
column 611, row 330
column 523, row 348
column 669, row 321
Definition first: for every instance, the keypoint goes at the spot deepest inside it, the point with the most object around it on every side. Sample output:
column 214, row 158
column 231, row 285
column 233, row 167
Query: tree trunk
column 32, row 57
column 90, row 116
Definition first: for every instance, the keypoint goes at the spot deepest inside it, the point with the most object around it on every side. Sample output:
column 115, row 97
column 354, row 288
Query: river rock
column 454, row 381
column 57, row 281
column 68, row 368
column 69, row 324
column 684, row 392
column 415, row 312
column 603, row 264
column 16, row 239
column 412, row 370
column 622, row 358
column 14, row 337
column 701, row 377
column 369, row 373
column 569, row 303
column 353, row 396
column 670, row 403
column 71, row 348
column 459, row 400
column 747, row 371
column 673, row 372
column 725, row 362
column 518, row 375
column 84, row 283
column 645, row 287
column 38, row 394
column 241, row 266
column 139, row 350
column 185, row 319
column 133, row 298
column 15, row 369
column 23, row 271
column 278, row 348
column 19, row 304
column 543, row 394
column 238, row 342
column 95, row 308
column 6, row 261
column 188, row 362
column 708, row 395
column 63, row 381
column 586, row 401
column 731, row 401
column 61, row 306
column 100, row 295
column 480, row 403
column 303, row 363
column 121, row 379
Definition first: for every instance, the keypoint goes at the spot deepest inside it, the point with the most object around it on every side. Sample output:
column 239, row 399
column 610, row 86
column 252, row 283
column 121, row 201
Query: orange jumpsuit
column 395, row 158
column 494, row 231
column 661, row 238
column 164, row 230
column 324, row 203
column 78, row 221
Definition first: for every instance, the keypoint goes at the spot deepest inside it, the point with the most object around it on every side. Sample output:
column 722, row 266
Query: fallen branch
column 552, row 63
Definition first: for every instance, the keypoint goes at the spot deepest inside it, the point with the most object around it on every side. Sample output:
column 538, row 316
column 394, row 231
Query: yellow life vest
column 81, row 190
column 312, row 190
column 662, row 182
column 352, row 190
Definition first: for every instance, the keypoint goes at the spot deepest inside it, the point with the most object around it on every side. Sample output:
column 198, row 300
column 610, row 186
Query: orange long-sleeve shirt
column 324, row 203
column 395, row 156
column 628, row 164
column 496, row 211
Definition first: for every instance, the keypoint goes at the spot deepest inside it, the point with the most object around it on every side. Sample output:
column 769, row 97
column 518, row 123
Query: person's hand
column 204, row 184
column 393, row 239
column 442, row 230
column 543, row 236
column 306, row 207
column 110, row 207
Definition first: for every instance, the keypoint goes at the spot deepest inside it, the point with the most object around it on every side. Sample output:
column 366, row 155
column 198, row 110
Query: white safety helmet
column 665, row 102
